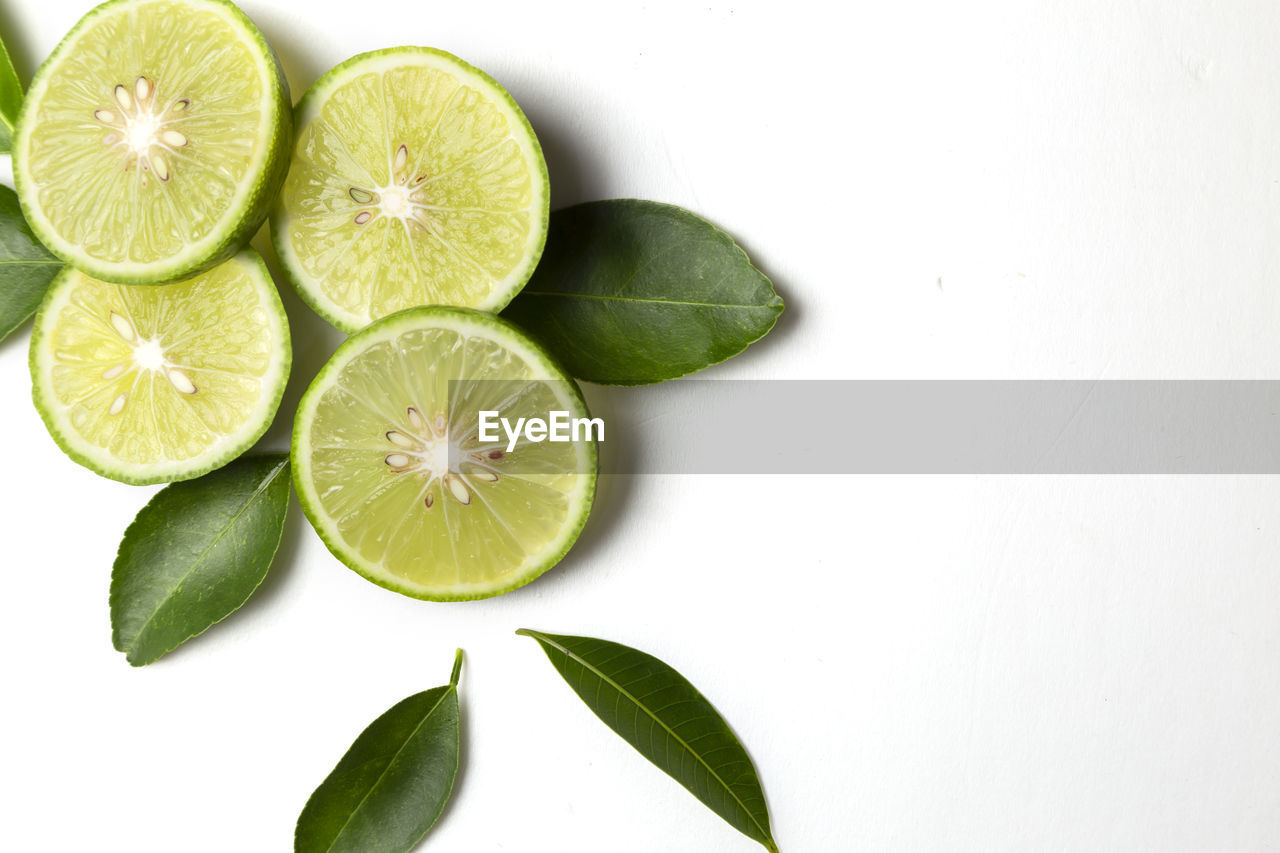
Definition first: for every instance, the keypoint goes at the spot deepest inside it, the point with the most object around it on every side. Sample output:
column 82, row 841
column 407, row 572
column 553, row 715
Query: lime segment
column 393, row 474
column 152, row 139
column 415, row 180
column 154, row 384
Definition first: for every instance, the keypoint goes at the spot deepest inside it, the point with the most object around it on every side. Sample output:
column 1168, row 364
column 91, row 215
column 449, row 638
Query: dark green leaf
column 393, row 783
column 26, row 267
column 196, row 553
column 10, row 100
column 632, row 292
column 668, row 721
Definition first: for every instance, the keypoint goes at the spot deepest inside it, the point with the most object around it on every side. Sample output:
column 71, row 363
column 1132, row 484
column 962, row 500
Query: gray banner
column 941, row 427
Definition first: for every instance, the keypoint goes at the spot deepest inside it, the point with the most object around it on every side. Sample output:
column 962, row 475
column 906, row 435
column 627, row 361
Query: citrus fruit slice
column 155, row 384
column 415, row 180
column 153, row 139
column 395, row 477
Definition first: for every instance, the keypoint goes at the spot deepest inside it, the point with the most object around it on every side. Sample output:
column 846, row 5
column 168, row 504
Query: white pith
column 396, row 202
column 149, row 355
column 142, row 134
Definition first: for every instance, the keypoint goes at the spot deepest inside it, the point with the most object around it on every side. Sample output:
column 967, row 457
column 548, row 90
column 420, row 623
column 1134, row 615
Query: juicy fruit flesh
column 161, row 373
column 412, row 186
column 147, row 131
column 404, row 480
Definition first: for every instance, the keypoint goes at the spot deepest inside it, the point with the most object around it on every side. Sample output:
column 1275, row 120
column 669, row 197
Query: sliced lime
column 153, row 139
column 154, row 384
column 415, row 180
column 393, row 475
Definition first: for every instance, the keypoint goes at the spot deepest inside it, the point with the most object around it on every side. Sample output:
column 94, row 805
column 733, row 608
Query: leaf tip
column 127, row 647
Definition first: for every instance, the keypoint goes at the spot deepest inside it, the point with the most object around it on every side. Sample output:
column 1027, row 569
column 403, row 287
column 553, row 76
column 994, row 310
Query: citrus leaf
column 10, row 100
column 195, row 553
column 390, row 788
column 26, row 266
column 632, row 292
column 668, row 721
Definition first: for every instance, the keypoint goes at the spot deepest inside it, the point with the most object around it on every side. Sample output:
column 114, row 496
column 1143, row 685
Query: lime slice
column 415, row 180
column 153, row 139
column 154, row 384
column 391, row 471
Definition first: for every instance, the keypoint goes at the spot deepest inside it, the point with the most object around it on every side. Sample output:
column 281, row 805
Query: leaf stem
column 457, row 669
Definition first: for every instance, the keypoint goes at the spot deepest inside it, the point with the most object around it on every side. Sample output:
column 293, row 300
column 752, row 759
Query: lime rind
column 308, row 109
column 94, row 457
column 254, row 195
column 461, row 320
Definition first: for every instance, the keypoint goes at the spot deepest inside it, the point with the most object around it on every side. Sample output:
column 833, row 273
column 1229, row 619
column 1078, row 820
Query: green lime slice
column 153, row 139
column 394, row 476
column 155, row 384
column 415, row 180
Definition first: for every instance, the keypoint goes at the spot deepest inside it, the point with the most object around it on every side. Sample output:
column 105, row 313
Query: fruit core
column 427, row 450
column 405, row 198
column 147, row 356
column 143, row 128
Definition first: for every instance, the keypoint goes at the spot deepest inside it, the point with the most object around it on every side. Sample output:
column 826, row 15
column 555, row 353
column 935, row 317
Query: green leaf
column 390, row 788
column 26, row 267
column 668, row 721
column 633, row 292
column 10, row 100
column 195, row 553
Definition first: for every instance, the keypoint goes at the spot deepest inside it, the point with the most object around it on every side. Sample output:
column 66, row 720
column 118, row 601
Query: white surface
column 989, row 189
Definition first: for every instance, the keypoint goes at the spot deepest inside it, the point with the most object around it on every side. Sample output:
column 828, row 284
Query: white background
column 973, row 190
